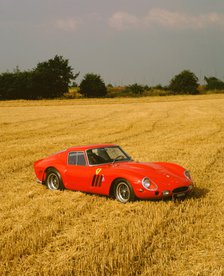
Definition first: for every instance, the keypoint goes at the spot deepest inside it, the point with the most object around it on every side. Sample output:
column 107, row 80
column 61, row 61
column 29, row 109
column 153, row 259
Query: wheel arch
column 46, row 170
column 114, row 182
column 56, row 171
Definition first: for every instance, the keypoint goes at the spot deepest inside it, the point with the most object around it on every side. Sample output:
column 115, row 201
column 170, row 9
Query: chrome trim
column 143, row 182
column 100, row 164
column 190, row 187
column 187, row 175
column 39, row 181
column 85, row 157
column 166, row 193
column 150, row 189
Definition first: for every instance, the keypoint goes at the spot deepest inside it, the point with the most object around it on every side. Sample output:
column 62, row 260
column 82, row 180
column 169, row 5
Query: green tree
column 136, row 89
column 16, row 85
column 184, row 83
column 51, row 78
column 92, row 86
column 214, row 83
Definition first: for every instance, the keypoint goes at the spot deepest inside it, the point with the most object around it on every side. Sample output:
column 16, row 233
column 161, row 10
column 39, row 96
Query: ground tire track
column 146, row 131
column 138, row 261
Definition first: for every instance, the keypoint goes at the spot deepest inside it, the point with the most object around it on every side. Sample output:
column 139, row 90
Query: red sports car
column 108, row 170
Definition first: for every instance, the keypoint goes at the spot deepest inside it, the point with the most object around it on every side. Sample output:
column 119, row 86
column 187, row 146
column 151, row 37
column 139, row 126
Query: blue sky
column 124, row 41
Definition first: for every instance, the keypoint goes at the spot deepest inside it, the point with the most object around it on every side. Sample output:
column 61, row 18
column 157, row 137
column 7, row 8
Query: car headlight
column 148, row 184
column 187, row 174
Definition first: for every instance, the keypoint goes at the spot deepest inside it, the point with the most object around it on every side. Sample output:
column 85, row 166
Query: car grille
column 180, row 189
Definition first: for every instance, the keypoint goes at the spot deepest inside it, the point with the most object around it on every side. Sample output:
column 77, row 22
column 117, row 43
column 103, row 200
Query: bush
column 92, row 86
column 213, row 83
column 17, row 85
column 184, row 83
column 135, row 89
column 50, row 79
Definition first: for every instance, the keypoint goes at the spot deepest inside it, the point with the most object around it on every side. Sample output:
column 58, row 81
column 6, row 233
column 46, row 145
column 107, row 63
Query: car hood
column 158, row 172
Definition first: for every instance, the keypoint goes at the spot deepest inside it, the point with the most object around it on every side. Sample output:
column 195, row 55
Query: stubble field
column 71, row 233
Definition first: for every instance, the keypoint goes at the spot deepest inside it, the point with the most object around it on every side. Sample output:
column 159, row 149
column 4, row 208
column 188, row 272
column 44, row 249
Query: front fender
column 133, row 179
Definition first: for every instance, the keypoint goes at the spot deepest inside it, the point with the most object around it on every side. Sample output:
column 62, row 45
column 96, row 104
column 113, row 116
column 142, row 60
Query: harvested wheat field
column 70, row 233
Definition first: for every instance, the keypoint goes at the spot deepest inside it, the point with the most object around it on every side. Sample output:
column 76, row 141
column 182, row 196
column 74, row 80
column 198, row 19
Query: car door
column 78, row 173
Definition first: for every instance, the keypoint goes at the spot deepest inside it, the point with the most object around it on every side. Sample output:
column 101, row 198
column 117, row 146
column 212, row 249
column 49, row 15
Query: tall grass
column 71, row 233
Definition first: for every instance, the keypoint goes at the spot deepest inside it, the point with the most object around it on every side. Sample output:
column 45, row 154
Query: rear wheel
column 53, row 180
column 123, row 191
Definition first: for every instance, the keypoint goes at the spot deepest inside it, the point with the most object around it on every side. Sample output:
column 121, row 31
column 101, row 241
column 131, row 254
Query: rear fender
column 54, row 168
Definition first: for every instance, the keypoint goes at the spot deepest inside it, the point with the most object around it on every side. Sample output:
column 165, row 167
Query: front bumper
column 176, row 193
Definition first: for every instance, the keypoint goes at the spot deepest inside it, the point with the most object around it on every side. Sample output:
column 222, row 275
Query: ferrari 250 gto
column 107, row 170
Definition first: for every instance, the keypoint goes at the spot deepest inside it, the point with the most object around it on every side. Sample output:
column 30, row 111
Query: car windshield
column 106, row 155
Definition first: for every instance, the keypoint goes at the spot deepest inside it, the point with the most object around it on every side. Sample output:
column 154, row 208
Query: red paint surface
column 166, row 176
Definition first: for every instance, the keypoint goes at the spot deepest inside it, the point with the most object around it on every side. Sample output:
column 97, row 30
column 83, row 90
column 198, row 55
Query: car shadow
column 198, row 192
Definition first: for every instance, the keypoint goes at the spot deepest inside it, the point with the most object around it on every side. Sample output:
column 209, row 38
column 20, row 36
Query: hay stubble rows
column 55, row 233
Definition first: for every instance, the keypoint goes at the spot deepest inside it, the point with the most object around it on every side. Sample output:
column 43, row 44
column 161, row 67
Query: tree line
column 52, row 79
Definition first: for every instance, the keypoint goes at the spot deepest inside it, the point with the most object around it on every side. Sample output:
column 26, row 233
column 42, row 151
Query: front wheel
column 124, row 192
column 53, row 180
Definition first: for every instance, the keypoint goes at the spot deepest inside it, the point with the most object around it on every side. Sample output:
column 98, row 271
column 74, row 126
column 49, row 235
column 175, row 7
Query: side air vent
column 97, row 180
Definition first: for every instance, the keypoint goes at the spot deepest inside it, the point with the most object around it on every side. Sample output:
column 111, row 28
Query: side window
column 80, row 159
column 72, row 158
column 76, row 158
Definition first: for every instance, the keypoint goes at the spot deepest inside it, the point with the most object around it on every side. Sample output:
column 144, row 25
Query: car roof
column 86, row 147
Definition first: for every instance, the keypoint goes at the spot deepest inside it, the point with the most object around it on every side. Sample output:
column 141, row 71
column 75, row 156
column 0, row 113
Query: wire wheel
column 53, row 180
column 124, row 192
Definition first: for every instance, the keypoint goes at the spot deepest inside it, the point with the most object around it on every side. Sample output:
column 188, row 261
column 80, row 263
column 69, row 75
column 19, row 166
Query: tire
column 53, row 180
column 123, row 191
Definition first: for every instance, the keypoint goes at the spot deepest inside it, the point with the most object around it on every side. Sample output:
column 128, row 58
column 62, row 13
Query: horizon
column 125, row 43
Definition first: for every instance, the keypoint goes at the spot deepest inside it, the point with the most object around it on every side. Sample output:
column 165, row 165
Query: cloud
column 68, row 24
column 74, row 23
column 123, row 20
column 166, row 19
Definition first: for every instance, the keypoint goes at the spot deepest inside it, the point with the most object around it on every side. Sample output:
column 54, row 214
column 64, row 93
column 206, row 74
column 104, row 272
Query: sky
column 124, row 41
